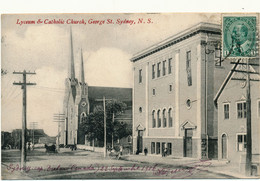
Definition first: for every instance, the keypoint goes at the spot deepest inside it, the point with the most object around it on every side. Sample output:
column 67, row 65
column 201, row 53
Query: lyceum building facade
column 172, row 101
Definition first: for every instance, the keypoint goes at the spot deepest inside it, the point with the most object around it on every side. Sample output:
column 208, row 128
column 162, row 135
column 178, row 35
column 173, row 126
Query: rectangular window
column 188, row 68
column 170, row 88
column 164, row 68
column 226, row 111
column 241, row 110
column 169, row 148
column 140, row 76
column 153, row 71
column 153, row 148
column 169, row 65
column 154, row 92
column 158, row 147
column 158, row 69
column 241, row 142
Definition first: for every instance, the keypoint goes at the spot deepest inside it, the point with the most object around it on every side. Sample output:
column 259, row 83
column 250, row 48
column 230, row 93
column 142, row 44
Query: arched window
column 82, row 116
column 159, row 119
column 164, row 118
column 154, row 121
column 170, row 117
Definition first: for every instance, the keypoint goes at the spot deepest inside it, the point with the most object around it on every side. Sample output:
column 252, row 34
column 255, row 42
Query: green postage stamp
column 239, row 36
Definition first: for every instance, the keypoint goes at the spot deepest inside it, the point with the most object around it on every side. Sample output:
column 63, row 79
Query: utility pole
column 113, row 119
column 105, row 128
column 248, row 111
column 24, row 129
column 33, row 125
column 59, row 118
column 105, row 124
column 248, row 124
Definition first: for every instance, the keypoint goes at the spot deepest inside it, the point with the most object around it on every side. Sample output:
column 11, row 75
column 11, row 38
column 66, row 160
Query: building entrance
column 188, row 143
column 140, row 141
column 224, row 146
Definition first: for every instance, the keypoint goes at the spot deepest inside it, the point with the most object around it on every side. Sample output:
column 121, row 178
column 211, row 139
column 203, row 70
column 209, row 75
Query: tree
column 3, row 72
column 93, row 124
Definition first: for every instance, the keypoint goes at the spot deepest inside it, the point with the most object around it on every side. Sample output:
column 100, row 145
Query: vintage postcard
column 130, row 96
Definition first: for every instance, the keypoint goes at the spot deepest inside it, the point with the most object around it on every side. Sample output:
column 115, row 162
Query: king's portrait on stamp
column 239, row 36
column 130, row 96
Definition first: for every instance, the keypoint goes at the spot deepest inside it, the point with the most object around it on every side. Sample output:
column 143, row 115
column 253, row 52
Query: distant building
column 6, row 139
column 33, row 136
column 47, row 140
column 173, row 94
column 81, row 99
column 232, row 114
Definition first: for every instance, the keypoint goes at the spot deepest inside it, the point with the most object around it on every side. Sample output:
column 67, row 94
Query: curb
column 227, row 174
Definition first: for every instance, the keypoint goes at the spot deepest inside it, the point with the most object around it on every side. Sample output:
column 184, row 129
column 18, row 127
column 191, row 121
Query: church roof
column 122, row 94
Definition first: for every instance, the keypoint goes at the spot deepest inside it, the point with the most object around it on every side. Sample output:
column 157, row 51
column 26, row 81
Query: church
column 81, row 99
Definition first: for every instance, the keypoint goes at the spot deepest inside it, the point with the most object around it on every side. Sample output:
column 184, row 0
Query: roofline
column 222, row 87
column 198, row 28
column 110, row 87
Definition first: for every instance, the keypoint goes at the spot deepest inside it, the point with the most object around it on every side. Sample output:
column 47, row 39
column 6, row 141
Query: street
column 91, row 165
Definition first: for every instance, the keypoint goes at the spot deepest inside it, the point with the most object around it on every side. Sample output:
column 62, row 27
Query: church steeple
column 71, row 66
column 82, row 75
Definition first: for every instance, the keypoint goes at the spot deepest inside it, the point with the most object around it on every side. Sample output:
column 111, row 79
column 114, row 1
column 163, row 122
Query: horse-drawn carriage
column 50, row 149
column 114, row 154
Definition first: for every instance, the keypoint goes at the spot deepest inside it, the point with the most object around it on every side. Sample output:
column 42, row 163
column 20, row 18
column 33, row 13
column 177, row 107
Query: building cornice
column 183, row 35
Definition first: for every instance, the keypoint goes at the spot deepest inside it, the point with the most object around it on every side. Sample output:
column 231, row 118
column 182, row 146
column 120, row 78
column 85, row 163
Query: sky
column 45, row 49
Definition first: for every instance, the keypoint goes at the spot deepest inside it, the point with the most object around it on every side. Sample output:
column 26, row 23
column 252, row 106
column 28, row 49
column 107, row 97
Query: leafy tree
column 93, row 124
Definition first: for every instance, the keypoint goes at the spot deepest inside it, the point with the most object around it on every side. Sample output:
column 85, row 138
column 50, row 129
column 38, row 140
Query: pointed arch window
column 170, row 117
column 159, row 122
column 154, row 121
column 164, row 118
column 82, row 116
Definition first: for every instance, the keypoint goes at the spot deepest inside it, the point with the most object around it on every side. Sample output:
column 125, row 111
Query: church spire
column 71, row 66
column 82, row 69
column 82, row 75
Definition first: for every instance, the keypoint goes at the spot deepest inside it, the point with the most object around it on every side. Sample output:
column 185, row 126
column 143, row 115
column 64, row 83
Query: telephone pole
column 105, row 124
column 33, row 125
column 113, row 120
column 24, row 129
column 105, row 128
column 59, row 118
column 248, row 110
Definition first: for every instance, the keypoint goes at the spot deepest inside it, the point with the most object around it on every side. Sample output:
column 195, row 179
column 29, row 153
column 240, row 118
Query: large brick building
column 174, row 86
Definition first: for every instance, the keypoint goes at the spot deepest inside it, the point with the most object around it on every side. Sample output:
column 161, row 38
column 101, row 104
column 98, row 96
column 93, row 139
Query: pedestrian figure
column 121, row 150
column 137, row 152
column 145, row 151
column 29, row 146
column 165, row 151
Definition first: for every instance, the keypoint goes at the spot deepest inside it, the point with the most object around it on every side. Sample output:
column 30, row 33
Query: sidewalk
column 218, row 167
